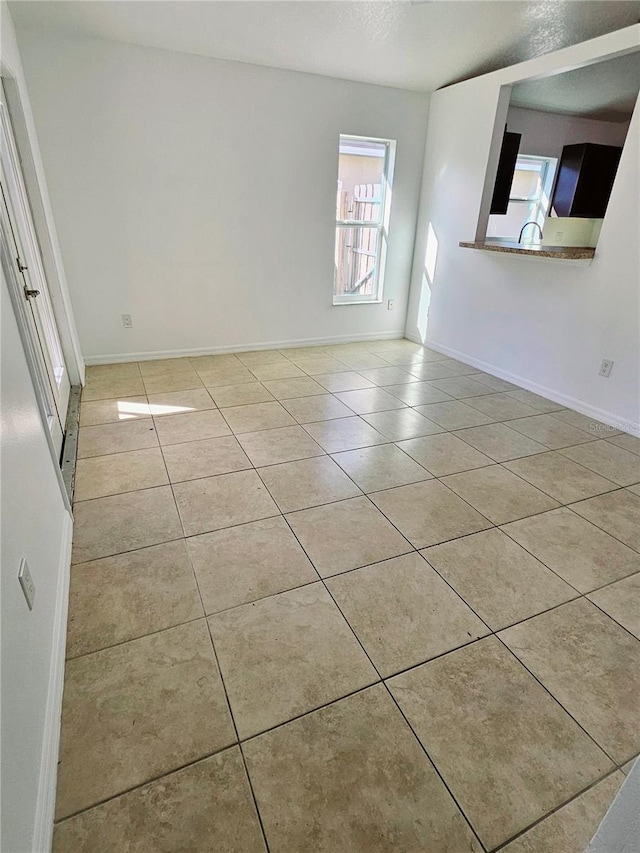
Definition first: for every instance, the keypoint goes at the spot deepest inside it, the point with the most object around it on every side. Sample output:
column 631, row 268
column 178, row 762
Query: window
column 363, row 204
column 528, row 199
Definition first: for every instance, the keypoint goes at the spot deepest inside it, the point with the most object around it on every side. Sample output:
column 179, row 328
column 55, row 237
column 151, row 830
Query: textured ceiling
column 605, row 90
column 414, row 45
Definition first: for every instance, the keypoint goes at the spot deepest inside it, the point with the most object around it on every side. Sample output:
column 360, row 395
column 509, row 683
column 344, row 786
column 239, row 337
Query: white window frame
column 381, row 225
column 540, row 209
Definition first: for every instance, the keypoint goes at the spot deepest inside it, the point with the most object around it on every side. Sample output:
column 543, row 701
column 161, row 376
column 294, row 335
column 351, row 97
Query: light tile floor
column 355, row 599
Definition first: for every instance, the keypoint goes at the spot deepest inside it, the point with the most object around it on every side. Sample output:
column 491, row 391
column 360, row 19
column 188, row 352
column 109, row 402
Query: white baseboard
column 45, row 807
column 231, row 348
column 610, row 418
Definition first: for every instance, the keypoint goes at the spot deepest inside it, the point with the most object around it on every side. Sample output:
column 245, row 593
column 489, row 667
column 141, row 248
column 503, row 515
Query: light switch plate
column 26, row 582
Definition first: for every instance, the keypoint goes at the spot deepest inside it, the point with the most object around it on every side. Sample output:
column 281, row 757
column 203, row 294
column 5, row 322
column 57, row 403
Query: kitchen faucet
column 530, row 222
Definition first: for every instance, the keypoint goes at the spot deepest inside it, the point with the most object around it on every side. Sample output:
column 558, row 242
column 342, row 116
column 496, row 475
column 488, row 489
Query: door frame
column 22, row 123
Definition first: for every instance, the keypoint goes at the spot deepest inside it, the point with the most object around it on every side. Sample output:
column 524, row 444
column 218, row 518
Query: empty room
column 320, row 426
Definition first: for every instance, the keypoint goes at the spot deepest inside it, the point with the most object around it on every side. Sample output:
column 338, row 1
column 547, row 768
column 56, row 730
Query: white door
column 30, row 284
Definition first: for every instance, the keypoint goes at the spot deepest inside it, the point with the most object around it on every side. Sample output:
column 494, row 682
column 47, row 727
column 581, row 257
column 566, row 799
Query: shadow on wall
column 428, row 276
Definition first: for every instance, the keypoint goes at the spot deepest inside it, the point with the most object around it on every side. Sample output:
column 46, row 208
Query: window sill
column 357, row 302
column 535, row 250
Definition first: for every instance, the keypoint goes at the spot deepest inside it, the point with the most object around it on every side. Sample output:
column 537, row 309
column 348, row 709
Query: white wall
column 546, row 323
column 199, row 195
column 545, row 134
column 35, row 525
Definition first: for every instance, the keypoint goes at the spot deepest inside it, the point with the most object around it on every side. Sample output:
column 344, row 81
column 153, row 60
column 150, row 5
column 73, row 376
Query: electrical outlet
column 127, row 322
column 26, row 582
column 559, row 235
column 605, row 367
column 389, row 304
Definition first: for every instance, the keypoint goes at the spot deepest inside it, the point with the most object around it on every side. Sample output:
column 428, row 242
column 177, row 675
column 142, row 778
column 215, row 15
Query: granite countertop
column 562, row 253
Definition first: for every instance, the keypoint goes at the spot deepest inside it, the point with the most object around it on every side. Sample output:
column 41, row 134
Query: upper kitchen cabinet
column 585, row 179
column 505, row 173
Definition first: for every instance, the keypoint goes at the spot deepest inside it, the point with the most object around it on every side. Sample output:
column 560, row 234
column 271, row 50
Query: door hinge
column 21, row 267
column 31, row 294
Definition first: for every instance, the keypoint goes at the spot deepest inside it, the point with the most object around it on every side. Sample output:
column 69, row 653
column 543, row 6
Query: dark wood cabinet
column 506, row 168
column 585, row 179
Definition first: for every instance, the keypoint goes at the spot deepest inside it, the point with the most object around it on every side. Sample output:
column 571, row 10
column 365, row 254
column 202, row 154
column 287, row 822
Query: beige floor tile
column 506, row 750
column 382, row 467
column 430, row 370
column 626, row 768
column 585, row 556
column 345, row 535
column 352, row 778
column 418, row 394
column 165, row 366
column 317, row 365
column 211, row 362
column 111, row 387
column 500, row 495
column 459, row 368
column 248, row 562
column 216, row 502
column 621, row 601
column 362, row 361
column 192, row 426
column 241, row 395
column 300, row 386
column 280, row 370
column 345, row 434
column 206, row 806
column 497, row 578
column 113, row 411
column 369, row 400
column 454, row 415
column 627, row 442
column 550, row 431
column 494, row 382
column 404, row 613
column 296, row 353
column 99, row 476
column 444, row 454
column 172, row 382
column 119, row 598
column 388, row 376
column 258, row 358
column 460, row 387
column 403, row 359
column 321, row 407
column 116, row 438
column 401, row 424
column 596, row 429
column 346, row 381
column 502, row 407
column 608, row 460
column 136, row 711
column 635, row 489
column 616, row 512
column 307, row 483
column 118, row 523
column 535, row 400
column 267, row 684
column 592, row 667
column 560, row 477
column 272, row 446
column 257, row 416
column 500, row 442
column 192, row 460
column 180, row 402
column 232, row 374
column 572, row 827
column 119, row 370
column 428, row 513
